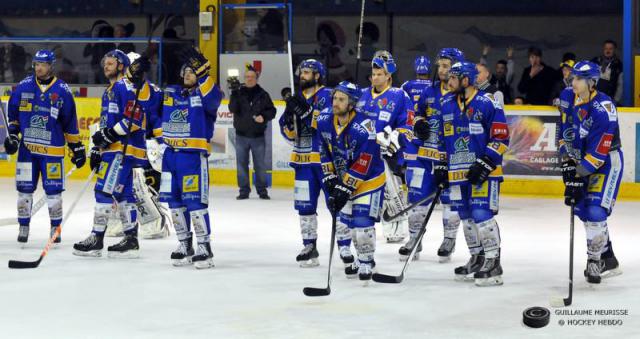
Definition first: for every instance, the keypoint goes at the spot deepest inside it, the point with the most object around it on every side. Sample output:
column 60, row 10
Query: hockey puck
column 536, row 317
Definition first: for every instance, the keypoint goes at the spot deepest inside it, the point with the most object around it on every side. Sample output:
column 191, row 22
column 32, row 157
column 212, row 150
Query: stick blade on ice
column 387, row 279
column 316, row 292
column 24, row 264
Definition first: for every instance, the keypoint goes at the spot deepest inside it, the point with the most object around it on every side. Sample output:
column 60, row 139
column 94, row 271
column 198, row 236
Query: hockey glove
column 574, row 191
column 95, row 158
column 105, row 137
column 329, row 182
column 197, row 62
column 79, row 154
column 299, row 107
column 441, row 174
column 421, row 129
column 480, row 170
column 135, row 72
column 389, row 141
column 340, row 196
column 11, row 143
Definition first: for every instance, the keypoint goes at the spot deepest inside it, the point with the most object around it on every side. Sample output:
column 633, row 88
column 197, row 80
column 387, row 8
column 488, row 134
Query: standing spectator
column 252, row 110
column 483, row 83
column 503, row 76
column 537, row 80
column 12, row 62
column 610, row 82
column 122, row 31
column 565, row 67
column 100, row 29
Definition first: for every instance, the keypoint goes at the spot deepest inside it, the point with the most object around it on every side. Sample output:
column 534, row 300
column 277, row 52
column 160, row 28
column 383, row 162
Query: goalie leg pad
column 25, row 202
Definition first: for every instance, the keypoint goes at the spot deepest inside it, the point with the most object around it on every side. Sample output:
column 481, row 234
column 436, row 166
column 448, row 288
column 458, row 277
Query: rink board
column 531, row 165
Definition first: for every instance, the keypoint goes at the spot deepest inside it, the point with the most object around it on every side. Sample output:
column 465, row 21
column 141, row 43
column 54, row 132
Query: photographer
column 252, row 110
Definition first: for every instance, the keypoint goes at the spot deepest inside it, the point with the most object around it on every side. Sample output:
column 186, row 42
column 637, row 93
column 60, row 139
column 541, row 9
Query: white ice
column 255, row 290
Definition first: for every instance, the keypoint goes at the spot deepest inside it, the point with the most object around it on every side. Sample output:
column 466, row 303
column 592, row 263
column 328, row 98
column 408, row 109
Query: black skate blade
column 24, row 264
column 387, row 279
column 316, row 292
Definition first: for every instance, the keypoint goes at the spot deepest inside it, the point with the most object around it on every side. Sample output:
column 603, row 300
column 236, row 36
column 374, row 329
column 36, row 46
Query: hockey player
column 354, row 173
column 188, row 117
column 120, row 124
column 415, row 87
column 473, row 137
column 592, row 166
column 426, row 121
column 298, row 124
column 42, row 116
column 392, row 111
column 153, row 217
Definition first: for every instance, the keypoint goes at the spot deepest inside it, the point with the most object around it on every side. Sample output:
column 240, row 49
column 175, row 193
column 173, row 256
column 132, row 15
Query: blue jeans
column 257, row 148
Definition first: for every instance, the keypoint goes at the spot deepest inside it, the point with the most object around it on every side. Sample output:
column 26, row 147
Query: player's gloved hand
column 480, row 170
column 11, row 143
column 137, row 69
column 299, row 107
column 340, row 196
column 79, row 154
column 329, row 182
column 95, row 158
column 574, row 190
column 421, row 129
column 197, row 62
column 104, row 137
column 389, row 141
column 568, row 169
column 441, row 174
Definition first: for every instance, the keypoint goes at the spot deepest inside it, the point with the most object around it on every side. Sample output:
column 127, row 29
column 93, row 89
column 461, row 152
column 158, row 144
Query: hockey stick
column 359, row 41
column 56, row 234
column 388, row 218
column 560, row 301
column 391, row 279
column 36, row 207
column 321, row 292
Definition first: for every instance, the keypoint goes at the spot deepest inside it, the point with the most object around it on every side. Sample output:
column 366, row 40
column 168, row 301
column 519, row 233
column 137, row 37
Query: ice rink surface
column 255, row 291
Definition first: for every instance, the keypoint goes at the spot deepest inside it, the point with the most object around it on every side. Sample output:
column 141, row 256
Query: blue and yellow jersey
column 45, row 116
column 152, row 105
column 188, row 117
column 428, row 108
column 565, row 132
column 596, row 130
column 117, row 112
column 470, row 130
column 351, row 152
column 414, row 89
column 305, row 140
column 391, row 107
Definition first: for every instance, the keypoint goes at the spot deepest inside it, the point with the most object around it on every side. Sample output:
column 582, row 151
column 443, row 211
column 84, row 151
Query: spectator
column 122, row 31
column 100, row 29
column 269, row 35
column 503, row 76
column 252, row 110
column 537, row 80
column 483, row 83
column 565, row 67
column 13, row 60
column 519, row 101
column 610, row 82
column 329, row 48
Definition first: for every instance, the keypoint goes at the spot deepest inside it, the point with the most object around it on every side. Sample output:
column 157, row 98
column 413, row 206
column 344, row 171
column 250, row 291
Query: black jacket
column 247, row 103
column 537, row 90
column 610, row 70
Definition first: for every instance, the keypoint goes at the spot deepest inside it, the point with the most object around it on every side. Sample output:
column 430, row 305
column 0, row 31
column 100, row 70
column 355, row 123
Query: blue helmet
column 314, row 65
column 350, row 89
column 422, row 65
column 119, row 55
column 453, row 54
column 384, row 60
column 44, row 55
column 465, row 69
column 586, row 70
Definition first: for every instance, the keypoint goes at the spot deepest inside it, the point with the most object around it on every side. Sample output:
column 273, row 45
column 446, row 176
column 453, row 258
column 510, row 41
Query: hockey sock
column 309, row 228
column 129, row 217
column 201, row 225
column 54, row 202
column 471, row 236
column 490, row 237
column 597, row 238
column 450, row 221
column 101, row 213
column 25, row 201
column 416, row 218
column 343, row 233
column 181, row 223
column 365, row 243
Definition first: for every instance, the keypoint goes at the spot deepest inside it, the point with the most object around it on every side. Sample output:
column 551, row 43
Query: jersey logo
column 179, row 115
column 54, row 171
column 361, row 166
column 605, row 144
column 391, row 106
column 499, row 130
column 382, row 102
column 39, row 121
column 448, row 129
column 384, row 116
column 462, row 144
column 25, row 106
column 137, row 115
column 582, row 114
column 410, row 117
